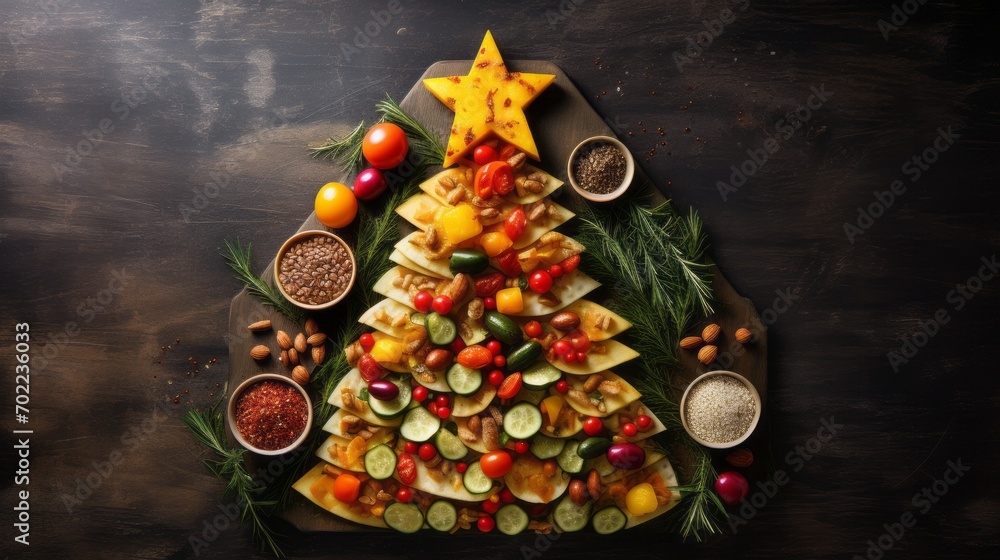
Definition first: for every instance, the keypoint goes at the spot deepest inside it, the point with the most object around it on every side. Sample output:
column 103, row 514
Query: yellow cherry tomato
column 509, row 301
column 641, row 499
column 336, row 205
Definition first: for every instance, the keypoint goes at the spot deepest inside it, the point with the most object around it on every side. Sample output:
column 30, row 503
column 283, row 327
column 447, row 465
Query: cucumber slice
column 418, row 318
column 609, row 520
column 511, row 519
column 419, row 425
column 405, row 518
column 593, row 447
column 604, row 468
column 523, row 356
column 440, row 329
column 545, row 447
column 569, row 516
column 441, row 516
column 380, row 462
column 463, row 380
column 522, row 420
column 568, row 460
column 395, row 407
column 475, row 480
column 541, row 375
column 450, row 446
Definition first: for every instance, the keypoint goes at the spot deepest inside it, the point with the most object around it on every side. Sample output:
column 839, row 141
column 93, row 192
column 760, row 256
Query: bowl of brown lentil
column 600, row 168
column 720, row 409
column 315, row 269
column 270, row 414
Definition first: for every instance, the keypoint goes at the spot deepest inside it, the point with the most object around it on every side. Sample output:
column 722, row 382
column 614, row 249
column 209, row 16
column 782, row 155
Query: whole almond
column 318, row 354
column 284, row 341
column 741, row 458
column 707, row 354
column 293, row 356
column 284, row 358
column 260, row 352
column 710, row 333
column 491, row 434
column 260, row 326
column 438, row 359
column 743, row 336
column 565, row 321
column 300, row 375
column 311, row 327
column 316, row 339
column 691, row 342
column 300, row 343
column 578, row 492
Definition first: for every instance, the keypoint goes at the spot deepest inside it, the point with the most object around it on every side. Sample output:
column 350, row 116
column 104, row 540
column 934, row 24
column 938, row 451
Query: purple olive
column 369, row 184
column 383, row 390
column 626, row 456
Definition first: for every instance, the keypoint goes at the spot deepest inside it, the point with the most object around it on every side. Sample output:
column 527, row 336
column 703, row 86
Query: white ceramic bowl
column 629, row 169
column 231, row 412
column 753, row 423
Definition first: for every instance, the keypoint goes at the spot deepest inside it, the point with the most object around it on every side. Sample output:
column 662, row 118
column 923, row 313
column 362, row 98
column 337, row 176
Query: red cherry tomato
column 494, row 347
column 423, row 300
column 629, row 429
column 385, row 146
column 522, row 447
column 643, row 422
column 506, row 496
column 510, row 387
column 443, row 412
column 427, row 452
column 404, row 495
column 561, row 346
column 533, row 329
column 457, row 346
column 540, row 281
column 484, row 154
column 509, row 264
column 406, row 468
column 579, row 340
column 442, row 400
column 569, row 357
column 569, row 264
column 581, row 357
column 562, row 386
column 442, row 304
column 367, row 341
column 461, row 467
column 495, row 464
column 495, row 377
column 499, row 360
column 490, row 506
column 494, row 177
column 593, row 426
column 433, row 408
column 555, row 271
column 515, row 223
column 411, row 447
column 490, row 303
column 369, row 184
column 486, row 524
column 420, row 393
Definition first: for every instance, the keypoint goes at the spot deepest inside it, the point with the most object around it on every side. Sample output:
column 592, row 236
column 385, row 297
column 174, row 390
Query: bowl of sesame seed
column 720, row 409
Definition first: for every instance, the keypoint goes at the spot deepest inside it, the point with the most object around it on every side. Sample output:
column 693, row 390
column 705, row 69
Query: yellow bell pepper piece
column 551, row 406
column 460, row 223
column 510, row 301
column 387, row 351
column 495, row 243
column 641, row 499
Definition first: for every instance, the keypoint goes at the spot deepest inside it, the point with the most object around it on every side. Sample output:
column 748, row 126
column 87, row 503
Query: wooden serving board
column 560, row 118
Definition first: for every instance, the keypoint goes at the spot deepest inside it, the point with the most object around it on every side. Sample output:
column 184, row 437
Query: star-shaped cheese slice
column 489, row 100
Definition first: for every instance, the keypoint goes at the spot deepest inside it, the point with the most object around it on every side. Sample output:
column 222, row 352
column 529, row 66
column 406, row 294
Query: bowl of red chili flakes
column 270, row 414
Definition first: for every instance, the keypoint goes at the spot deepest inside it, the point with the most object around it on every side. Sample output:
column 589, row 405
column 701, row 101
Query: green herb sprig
column 238, row 258
column 346, row 150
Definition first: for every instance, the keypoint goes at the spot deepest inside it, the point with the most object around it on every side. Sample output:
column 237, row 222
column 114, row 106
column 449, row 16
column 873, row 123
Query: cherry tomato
column 562, row 386
column 514, row 223
column 486, row 524
column 406, row 468
column 569, row 264
column 507, row 151
column 443, row 412
column 494, row 347
column 643, row 422
column 442, row 400
column 369, row 184
column 404, row 495
column 411, row 447
column 510, row 386
column 423, row 300
column 555, row 271
column 506, row 496
column 593, row 426
column 495, row 464
column 539, row 510
column 499, row 360
column 490, row 303
column 461, row 467
column 495, row 377
column 336, row 206
column 484, row 154
column 346, row 488
column 581, row 357
column 427, row 452
column 522, row 447
column 579, row 340
column 533, row 329
column 629, row 429
column 433, row 408
column 367, row 341
column 540, row 281
column 561, row 346
column 385, row 146
column 569, row 357
column 509, row 264
column 442, row 304
column 420, row 393
column 457, row 346
column 475, row 357
column 490, row 507
column 494, row 177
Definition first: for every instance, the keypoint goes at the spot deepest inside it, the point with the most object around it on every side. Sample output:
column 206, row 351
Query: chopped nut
column 495, row 413
column 579, row 396
column 367, row 500
column 440, row 191
column 533, row 186
column 540, row 527
column 592, row 382
column 610, row 388
column 594, row 485
column 516, row 161
column 457, row 288
column 491, row 202
column 476, row 308
column 536, row 211
column 475, row 424
column 548, row 299
column 491, row 435
column 455, row 196
column 489, row 213
column 447, row 182
column 467, row 436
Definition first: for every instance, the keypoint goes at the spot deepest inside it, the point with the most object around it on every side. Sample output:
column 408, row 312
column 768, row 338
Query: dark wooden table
column 136, row 137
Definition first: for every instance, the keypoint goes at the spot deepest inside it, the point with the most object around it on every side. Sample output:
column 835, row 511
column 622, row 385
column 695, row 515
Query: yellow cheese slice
column 324, row 498
column 590, row 313
column 612, row 403
column 615, row 353
column 323, row 451
column 519, row 480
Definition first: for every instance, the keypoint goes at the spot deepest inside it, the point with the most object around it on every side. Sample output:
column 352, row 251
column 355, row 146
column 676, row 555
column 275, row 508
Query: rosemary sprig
column 699, row 511
column 347, row 149
column 422, row 140
column 209, row 428
column 238, row 258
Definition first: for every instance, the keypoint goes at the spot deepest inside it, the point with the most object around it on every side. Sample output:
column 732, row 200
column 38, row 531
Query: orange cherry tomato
column 475, row 356
column 385, row 146
column 496, row 464
column 336, row 206
column 496, row 176
column 510, row 386
column 346, row 488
